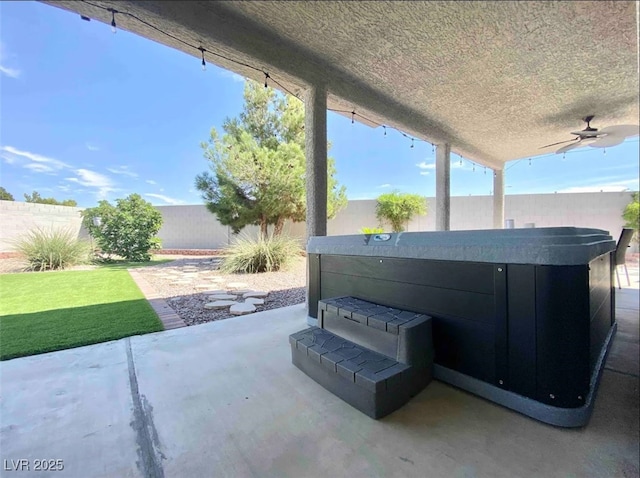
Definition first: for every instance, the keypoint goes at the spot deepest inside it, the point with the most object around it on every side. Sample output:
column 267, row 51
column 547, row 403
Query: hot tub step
column 372, row 382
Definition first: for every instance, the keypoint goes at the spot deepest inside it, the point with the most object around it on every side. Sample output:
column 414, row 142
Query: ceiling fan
column 597, row 138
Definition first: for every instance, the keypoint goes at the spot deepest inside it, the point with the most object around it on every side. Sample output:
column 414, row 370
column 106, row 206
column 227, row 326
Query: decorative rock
column 255, row 293
column 254, row 301
column 242, row 309
column 214, row 291
column 223, row 297
column 220, row 304
column 237, row 285
column 180, row 282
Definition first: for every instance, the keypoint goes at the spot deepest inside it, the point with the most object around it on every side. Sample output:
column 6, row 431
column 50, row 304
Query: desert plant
column 5, row 195
column 263, row 254
column 398, row 209
column 54, row 249
column 631, row 215
column 371, row 230
column 127, row 229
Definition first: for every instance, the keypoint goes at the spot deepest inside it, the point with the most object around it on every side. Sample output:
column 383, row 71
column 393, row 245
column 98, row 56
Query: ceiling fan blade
column 560, row 142
column 624, row 130
column 569, row 147
column 607, row 142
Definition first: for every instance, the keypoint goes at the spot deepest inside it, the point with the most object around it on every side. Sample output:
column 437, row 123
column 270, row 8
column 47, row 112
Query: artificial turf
column 43, row 312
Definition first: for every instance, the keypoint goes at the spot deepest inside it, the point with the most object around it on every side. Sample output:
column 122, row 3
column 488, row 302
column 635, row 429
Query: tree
column 127, row 229
column 5, row 195
column 36, row 198
column 631, row 214
column 258, row 166
column 398, row 209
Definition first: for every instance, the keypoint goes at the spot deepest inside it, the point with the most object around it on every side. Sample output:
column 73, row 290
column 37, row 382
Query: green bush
column 55, row 249
column 127, row 229
column 264, row 254
column 371, row 230
column 398, row 209
column 631, row 215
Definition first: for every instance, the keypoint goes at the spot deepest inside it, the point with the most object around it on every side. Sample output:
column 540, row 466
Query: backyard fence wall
column 194, row 227
column 17, row 218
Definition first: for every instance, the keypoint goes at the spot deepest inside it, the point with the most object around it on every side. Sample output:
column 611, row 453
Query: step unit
column 373, row 357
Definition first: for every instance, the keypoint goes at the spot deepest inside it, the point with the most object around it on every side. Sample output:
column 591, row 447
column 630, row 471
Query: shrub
column 371, row 230
column 127, row 229
column 631, row 215
column 55, row 249
column 264, row 254
column 398, row 209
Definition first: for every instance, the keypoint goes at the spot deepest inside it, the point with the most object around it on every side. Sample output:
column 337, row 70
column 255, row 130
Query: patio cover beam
column 443, row 187
column 498, row 199
column 315, row 126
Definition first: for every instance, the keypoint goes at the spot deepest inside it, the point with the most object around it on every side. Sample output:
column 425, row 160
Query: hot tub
column 522, row 317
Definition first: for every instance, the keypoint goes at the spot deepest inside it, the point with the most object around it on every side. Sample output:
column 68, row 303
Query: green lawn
column 43, row 312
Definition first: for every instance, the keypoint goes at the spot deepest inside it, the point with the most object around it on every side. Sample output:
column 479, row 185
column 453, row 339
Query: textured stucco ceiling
column 496, row 80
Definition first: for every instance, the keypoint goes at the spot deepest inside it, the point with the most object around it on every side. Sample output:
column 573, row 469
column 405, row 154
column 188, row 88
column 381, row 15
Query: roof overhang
column 496, row 80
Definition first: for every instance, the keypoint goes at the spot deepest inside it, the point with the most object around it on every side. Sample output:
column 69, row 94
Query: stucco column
column 498, row 199
column 315, row 127
column 443, row 187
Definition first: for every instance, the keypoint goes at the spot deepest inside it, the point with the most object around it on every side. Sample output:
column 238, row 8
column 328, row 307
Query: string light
column 485, row 170
column 460, row 161
column 474, row 167
column 113, row 20
column 529, row 161
column 204, row 63
column 266, row 77
column 604, row 151
column 239, row 63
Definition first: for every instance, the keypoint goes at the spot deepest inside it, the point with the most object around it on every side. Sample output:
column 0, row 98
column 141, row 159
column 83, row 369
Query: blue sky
column 89, row 115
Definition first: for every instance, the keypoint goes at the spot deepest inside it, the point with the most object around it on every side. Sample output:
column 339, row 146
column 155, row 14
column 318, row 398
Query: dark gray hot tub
column 523, row 317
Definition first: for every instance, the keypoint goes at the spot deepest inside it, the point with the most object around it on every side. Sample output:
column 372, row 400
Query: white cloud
column 166, row 199
column 5, row 70
column 123, row 170
column 150, row 181
column 92, row 147
column 39, row 168
column 616, row 186
column 12, row 155
column 424, row 173
column 425, row 165
column 92, row 179
column 385, row 185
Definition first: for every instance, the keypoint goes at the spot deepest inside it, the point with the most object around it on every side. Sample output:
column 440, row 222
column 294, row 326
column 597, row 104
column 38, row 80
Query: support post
column 443, row 187
column 498, row 199
column 315, row 127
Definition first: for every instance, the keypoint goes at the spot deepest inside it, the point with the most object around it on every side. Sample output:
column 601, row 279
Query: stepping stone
column 255, row 293
column 190, row 264
column 242, row 309
column 207, row 287
column 223, row 297
column 214, row 291
column 189, row 274
column 254, row 301
column 220, row 304
column 237, row 285
column 241, row 291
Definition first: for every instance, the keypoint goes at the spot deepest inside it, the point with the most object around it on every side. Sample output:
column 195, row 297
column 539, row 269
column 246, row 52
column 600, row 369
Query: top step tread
column 378, row 316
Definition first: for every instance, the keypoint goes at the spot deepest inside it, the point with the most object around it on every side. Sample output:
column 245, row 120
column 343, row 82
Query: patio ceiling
column 496, row 80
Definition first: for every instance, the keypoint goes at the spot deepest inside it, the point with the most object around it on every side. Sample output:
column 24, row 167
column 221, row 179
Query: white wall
column 17, row 218
column 194, row 227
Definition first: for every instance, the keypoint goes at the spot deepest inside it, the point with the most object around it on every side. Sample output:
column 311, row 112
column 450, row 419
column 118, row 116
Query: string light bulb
column 474, row 167
column 485, row 170
column 204, row 63
column 385, row 130
column 604, row 151
column 266, row 77
column 412, row 142
column 460, row 162
column 353, row 114
column 529, row 161
column 113, row 21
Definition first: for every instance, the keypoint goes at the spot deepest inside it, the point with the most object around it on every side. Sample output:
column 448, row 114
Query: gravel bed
column 284, row 287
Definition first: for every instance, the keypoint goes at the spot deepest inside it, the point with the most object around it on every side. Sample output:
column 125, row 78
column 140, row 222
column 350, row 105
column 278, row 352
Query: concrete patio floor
column 223, row 399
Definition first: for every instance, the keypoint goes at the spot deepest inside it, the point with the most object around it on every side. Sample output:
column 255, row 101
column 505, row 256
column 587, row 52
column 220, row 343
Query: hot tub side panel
column 467, row 301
